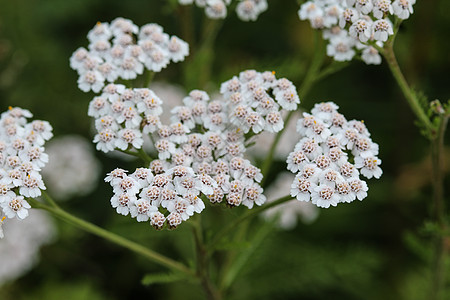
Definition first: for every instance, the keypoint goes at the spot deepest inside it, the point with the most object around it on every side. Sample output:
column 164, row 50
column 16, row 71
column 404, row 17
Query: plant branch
column 203, row 262
column 114, row 238
column 413, row 102
column 437, row 150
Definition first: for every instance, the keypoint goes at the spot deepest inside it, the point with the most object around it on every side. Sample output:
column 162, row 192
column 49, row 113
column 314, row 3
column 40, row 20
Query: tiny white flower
column 403, row 8
column 361, row 29
column 301, row 188
column 382, row 29
column 91, row 80
column 142, row 210
column 216, row 9
column 371, row 56
column 369, row 166
column 324, row 196
column 16, row 207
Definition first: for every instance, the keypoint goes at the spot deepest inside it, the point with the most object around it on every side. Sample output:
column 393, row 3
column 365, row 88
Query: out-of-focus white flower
column 20, row 246
column 73, row 169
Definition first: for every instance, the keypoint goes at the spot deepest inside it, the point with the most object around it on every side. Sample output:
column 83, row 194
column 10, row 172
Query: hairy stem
column 413, row 102
column 114, row 238
column 437, row 150
column 203, row 263
column 436, row 136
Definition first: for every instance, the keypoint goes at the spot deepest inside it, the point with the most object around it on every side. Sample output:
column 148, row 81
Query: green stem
column 413, row 102
column 437, row 151
column 114, row 238
column 149, row 78
column 203, row 262
column 237, row 263
column 243, row 218
column 197, row 70
column 144, row 156
column 140, row 154
column 308, row 82
column 49, row 199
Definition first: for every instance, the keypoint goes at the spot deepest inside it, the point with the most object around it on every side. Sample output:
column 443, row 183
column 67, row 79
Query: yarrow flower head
column 22, row 157
column 123, row 50
column 330, row 156
column 198, row 156
column 246, row 10
column 355, row 27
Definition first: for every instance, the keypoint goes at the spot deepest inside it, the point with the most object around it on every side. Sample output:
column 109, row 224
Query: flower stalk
column 112, row 237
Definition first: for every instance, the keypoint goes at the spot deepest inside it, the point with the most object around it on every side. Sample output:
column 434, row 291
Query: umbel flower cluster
column 355, row 26
column 330, row 156
column 200, row 153
column 21, row 158
column 247, row 10
column 123, row 50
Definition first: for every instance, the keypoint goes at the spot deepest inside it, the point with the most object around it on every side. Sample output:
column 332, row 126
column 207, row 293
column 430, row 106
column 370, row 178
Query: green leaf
column 232, row 245
column 156, row 278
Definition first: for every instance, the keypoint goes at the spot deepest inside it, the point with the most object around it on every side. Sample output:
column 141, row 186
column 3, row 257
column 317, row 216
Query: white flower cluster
column 323, row 158
column 251, row 104
column 19, row 250
column 21, row 159
column 200, row 152
column 355, row 26
column 247, row 10
column 123, row 50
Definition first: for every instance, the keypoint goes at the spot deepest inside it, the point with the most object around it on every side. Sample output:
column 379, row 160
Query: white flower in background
column 325, row 176
column 73, row 169
column 371, row 56
column 19, row 249
column 363, row 24
column 288, row 213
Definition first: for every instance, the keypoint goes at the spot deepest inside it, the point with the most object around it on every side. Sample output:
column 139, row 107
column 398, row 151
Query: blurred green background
column 380, row 247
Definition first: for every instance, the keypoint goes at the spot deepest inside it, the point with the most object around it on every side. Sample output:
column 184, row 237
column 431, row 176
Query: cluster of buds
column 21, row 159
column 330, row 156
column 123, row 50
column 247, row 10
column 355, row 26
